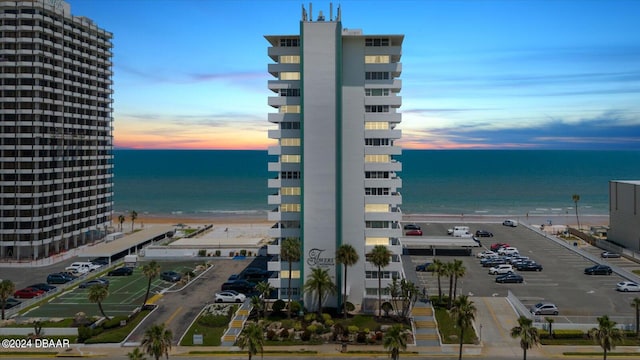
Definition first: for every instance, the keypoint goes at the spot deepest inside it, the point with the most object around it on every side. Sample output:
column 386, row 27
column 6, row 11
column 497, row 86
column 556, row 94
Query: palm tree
column 550, row 320
column 347, row 256
column 448, row 271
column 133, row 215
column 251, row 338
column 136, row 354
column 319, row 282
column 527, row 333
column 636, row 304
column 438, row 270
column 7, row 287
column 606, row 334
column 121, row 220
column 264, row 289
column 150, row 270
column 290, row 252
column 379, row 256
column 576, row 198
column 257, row 305
column 463, row 313
column 97, row 294
column 395, row 340
column 459, row 271
column 157, row 341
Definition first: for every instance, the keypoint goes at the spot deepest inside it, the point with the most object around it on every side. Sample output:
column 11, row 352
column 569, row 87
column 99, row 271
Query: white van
column 82, row 267
column 459, row 231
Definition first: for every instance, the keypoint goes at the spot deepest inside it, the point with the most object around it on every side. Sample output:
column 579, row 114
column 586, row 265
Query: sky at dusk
column 509, row 74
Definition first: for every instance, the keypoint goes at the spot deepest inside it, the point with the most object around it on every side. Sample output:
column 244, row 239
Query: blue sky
column 509, row 74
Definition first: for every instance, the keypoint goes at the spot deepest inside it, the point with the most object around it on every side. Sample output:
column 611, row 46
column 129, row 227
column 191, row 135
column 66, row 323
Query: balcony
column 280, row 232
column 277, row 101
column 383, row 150
column 394, row 101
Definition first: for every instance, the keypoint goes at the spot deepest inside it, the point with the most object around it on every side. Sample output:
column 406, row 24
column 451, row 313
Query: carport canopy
column 429, row 242
column 127, row 243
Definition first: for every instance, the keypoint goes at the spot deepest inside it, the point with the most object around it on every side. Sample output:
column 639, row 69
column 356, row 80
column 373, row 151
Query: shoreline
column 261, row 218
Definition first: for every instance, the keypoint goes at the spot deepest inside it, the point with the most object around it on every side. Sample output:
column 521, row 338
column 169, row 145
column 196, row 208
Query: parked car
column 58, row 278
column 121, row 271
column 11, row 302
column 608, row 254
column 529, row 266
column 170, row 276
column 627, row 286
column 413, row 233
column 497, row 246
column 241, row 286
column 230, row 296
column 501, row 269
column 544, row 309
column 100, row 281
column 27, row 293
column 509, row 222
column 42, row 286
column 233, row 277
column 509, row 278
column 486, row 254
column 508, row 250
column 100, row 261
column 483, row 233
column 490, row 262
column 424, row 267
column 83, row 267
column 598, row 269
column 412, row 227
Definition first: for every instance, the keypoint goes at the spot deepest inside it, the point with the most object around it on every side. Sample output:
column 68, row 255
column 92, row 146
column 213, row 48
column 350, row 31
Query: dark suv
column 58, row 278
column 483, row 233
column 241, row 286
column 412, row 227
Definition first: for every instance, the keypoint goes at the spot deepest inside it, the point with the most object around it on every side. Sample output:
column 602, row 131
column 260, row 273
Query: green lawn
column 449, row 332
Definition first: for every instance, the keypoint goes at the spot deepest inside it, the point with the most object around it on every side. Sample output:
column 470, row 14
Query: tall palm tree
column 251, row 338
column 459, row 271
column 607, row 335
column 395, row 340
column 576, row 198
column 157, row 341
column 97, row 294
column 290, row 252
column 463, row 313
column 527, row 333
column 379, row 256
column 438, row 270
column 257, row 304
column 151, row 270
column 636, row 304
column 264, row 289
column 7, row 287
column 121, row 220
column 136, row 354
column 133, row 215
column 347, row 256
column 319, row 282
column 448, row 271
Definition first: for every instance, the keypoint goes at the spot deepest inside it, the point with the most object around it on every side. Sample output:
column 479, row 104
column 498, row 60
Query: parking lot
column 579, row 297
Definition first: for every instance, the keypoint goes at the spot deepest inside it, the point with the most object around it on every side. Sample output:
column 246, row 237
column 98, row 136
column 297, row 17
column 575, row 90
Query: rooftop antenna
column 339, row 16
column 310, row 12
column 330, row 11
column 320, row 16
column 304, row 14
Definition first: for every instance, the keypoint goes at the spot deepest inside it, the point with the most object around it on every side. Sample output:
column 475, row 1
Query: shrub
column 564, row 334
column 84, row 333
column 271, row 334
column 329, row 322
column 278, row 306
column 306, row 335
column 202, row 252
column 361, row 337
column 350, row 307
column 295, row 307
column 326, row 317
column 353, row 329
column 387, row 307
column 284, row 333
column 218, row 253
column 309, row 317
column 312, row 328
column 114, row 322
column 243, row 252
column 231, row 253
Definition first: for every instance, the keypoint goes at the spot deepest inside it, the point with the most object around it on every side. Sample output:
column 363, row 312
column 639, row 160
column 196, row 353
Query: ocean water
column 199, row 183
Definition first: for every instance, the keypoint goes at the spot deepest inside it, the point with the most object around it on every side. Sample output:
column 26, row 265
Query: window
column 377, row 59
column 295, row 274
column 291, row 75
column 290, row 142
column 376, row 108
column 375, row 42
column 372, row 241
column 376, row 92
column 377, row 142
column 384, row 274
column 287, row 125
column 290, row 208
column 376, row 125
column 383, row 158
column 289, row 92
column 290, row 42
column 289, row 158
column 376, row 174
column 376, row 191
column 375, row 75
column 376, row 208
column 290, row 191
column 289, row 175
column 291, row 109
column 376, row 224
column 289, row 59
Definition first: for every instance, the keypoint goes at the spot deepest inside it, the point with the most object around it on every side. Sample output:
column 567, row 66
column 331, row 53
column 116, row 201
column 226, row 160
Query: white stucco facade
column 334, row 173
